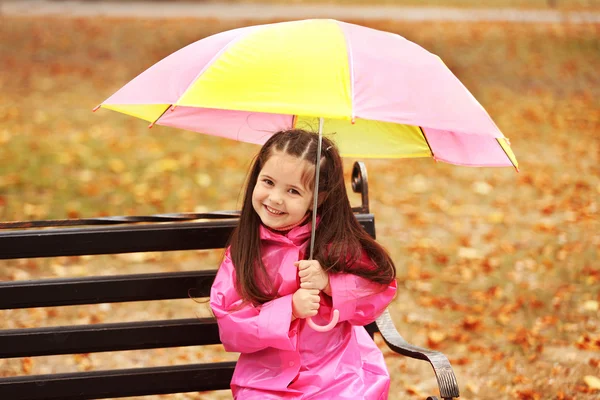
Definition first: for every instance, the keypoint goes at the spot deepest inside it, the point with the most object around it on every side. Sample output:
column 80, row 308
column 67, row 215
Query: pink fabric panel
column 246, row 328
column 250, row 127
column 359, row 301
column 167, row 80
column 464, row 149
column 396, row 80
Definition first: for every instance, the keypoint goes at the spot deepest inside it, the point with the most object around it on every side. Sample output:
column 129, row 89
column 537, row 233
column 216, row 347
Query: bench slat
column 77, row 339
column 119, row 383
column 115, row 239
column 105, row 289
column 126, row 239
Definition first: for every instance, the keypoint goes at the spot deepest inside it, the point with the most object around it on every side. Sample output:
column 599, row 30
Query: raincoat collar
column 297, row 235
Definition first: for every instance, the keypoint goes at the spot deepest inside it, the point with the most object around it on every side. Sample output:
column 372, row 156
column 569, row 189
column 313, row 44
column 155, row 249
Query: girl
column 265, row 287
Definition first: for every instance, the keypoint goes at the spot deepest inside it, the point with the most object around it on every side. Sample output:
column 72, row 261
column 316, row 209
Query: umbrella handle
column 324, row 328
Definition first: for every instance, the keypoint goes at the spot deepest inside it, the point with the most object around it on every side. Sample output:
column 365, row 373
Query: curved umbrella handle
column 324, row 328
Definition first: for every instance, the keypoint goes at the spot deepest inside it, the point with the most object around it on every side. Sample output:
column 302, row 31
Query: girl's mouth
column 273, row 211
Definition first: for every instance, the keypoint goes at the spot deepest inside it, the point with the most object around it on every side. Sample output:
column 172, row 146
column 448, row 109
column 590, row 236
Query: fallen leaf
column 592, row 382
column 116, row 165
column 460, row 361
column 469, row 253
column 26, row 365
column 434, row 338
column 562, row 396
column 203, row 180
column 528, row 394
column 471, row 323
column 482, row 188
column 414, row 391
column 520, row 379
column 591, row 305
column 419, row 184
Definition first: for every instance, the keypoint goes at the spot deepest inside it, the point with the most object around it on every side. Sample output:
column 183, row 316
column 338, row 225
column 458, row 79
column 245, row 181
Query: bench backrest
column 79, row 339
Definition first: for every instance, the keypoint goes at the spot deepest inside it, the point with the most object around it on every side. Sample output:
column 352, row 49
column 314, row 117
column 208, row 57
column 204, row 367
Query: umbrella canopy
column 380, row 95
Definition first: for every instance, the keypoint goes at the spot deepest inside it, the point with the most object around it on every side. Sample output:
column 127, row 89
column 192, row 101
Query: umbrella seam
column 215, row 58
column 350, row 68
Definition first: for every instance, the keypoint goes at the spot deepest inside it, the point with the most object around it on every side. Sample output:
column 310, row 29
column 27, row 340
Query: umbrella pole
column 316, row 192
column 335, row 315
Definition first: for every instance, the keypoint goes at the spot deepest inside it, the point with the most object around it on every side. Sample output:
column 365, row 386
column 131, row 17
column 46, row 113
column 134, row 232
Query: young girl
column 265, row 288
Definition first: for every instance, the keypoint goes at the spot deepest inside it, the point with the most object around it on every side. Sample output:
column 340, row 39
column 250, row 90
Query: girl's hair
column 339, row 239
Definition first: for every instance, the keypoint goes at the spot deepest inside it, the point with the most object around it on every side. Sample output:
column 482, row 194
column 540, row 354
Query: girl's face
column 280, row 198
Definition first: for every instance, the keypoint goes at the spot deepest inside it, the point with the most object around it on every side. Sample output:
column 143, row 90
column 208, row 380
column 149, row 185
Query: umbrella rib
column 427, row 141
column 160, row 116
column 507, row 156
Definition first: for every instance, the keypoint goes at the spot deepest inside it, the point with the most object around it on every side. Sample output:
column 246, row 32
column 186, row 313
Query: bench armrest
column 441, row 366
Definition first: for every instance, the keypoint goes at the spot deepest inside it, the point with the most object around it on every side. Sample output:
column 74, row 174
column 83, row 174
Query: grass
column 496, row 269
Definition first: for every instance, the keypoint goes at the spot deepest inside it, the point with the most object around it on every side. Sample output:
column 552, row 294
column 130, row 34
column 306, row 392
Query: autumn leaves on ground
column 497, row 269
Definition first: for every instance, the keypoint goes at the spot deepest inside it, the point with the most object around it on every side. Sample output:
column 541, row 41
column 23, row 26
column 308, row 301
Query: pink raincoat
column 287, row 360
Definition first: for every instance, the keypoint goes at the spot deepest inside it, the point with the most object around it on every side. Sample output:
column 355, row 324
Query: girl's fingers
column 302, row 273
column 306, row 272
column 304, row 264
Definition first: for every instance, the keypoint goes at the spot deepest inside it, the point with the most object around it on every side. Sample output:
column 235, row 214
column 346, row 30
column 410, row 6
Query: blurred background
column 497, row 269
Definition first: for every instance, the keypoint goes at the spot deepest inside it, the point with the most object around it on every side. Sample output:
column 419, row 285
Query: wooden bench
column 140, row 234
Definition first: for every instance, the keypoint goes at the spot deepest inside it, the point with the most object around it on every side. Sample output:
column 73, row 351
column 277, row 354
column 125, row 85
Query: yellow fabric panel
column 506, row 147
column 148, row 112
column 371, row 139
column 296, row 68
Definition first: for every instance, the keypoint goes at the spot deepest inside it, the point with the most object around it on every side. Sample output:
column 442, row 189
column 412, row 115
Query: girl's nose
column 276, row 199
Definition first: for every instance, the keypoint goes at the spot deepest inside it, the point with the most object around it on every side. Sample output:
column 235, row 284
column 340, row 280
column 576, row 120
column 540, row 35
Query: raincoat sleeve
column 245, row 328
column 359, row 300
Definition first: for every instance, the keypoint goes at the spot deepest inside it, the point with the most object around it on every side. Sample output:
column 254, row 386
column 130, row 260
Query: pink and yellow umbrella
column 382, row 95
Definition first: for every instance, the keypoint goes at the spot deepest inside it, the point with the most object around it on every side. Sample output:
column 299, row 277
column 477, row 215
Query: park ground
column 497, row 269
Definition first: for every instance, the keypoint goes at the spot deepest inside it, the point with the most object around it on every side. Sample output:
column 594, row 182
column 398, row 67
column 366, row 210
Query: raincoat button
column 291, row 363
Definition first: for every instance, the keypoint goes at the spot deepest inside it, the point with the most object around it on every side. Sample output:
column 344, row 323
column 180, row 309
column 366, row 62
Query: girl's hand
column 305, row 303
column 312, row 275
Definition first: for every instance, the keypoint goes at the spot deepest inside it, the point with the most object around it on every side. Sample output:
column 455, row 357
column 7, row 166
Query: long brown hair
column 339, row 239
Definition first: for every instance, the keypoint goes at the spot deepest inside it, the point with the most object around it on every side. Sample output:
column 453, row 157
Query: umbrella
column 382, row 95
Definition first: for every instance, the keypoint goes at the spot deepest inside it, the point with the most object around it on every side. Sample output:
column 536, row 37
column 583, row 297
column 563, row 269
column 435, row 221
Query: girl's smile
column 281, row 197
column 273, row 211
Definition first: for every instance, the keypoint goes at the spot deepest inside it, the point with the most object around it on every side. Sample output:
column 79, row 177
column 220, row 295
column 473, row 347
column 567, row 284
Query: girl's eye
column 268, row 182
column 294, row 191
